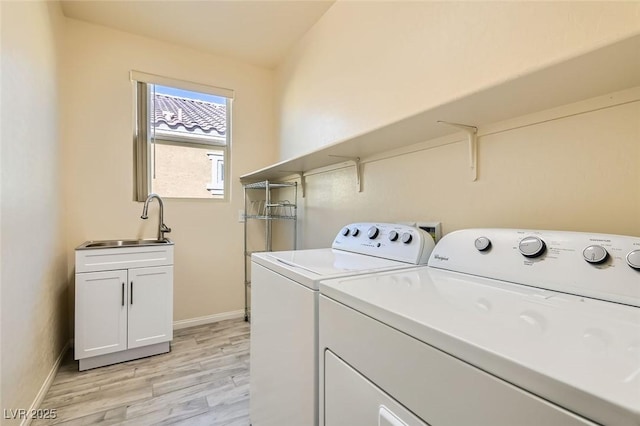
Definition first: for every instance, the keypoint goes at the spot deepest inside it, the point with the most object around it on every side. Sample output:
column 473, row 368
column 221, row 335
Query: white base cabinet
column 123, row 314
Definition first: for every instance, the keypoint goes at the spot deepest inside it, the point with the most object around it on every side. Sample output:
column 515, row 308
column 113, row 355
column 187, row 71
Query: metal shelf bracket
column 472, row 136
column 302, row 182
column 356, row 163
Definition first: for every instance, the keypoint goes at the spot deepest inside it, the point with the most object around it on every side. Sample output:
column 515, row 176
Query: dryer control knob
column 345, row 231
column 373, row 233
column 354, row 231
column 633, row 259
column 532, row 246
column 595, row 254
column 482, row 243
column 393, row 235
column 407, row 238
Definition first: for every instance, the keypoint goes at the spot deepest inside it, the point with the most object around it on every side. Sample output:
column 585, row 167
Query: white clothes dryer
column 284, row 312
column 504, row 327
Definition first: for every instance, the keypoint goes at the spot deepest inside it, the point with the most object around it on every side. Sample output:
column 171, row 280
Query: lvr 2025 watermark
column 22, row 414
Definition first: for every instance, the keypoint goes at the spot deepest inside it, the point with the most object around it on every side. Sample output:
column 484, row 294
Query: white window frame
column 216, row 186
column 146, row 136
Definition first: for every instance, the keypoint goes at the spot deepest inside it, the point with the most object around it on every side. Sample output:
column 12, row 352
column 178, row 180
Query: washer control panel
column 482, row 243
column 633, row 259
column 387, row 240
column 532, row 246
column 600, row 266
column 595, row 254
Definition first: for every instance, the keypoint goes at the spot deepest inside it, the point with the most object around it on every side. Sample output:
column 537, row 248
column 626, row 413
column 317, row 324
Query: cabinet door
column 101, row 313
column 150, row 306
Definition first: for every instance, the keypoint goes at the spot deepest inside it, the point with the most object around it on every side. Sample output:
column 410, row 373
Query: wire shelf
column 267, row 210
column 266, row 183
column 260, row 209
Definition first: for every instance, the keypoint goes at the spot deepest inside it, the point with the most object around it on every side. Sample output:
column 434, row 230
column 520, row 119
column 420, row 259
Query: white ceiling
column 258, row 32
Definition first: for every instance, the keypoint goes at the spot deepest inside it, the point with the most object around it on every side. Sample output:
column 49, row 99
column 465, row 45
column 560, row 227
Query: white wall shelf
column 605, row 70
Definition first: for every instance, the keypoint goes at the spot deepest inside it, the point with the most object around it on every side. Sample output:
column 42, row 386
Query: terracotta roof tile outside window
column 193, row 116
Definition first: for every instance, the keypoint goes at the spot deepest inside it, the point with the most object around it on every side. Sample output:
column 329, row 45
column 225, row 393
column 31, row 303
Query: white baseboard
column 191, row 322
column 45, row 386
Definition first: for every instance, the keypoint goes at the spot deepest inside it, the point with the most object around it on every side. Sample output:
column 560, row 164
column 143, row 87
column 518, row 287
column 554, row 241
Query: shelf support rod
column 302, row 183
column 356, row 162
column 472, row 136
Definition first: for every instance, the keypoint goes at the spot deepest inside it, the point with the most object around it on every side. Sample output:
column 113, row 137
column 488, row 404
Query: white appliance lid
column 583, row 354
column 308, row 267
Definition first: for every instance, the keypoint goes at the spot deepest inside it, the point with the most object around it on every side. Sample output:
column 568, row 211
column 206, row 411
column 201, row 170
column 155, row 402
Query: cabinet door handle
column 131, row 296
column 123, row 294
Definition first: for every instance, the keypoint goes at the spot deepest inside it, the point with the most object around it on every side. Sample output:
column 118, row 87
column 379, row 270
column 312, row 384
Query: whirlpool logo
column 443, row 258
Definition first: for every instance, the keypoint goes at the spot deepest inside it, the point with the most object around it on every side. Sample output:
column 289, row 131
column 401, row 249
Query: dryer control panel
column 387, row 240
column 600, row 266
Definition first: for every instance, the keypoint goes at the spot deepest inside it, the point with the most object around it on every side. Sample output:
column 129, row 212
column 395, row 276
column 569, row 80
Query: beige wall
column 33, row 277
column 580, row 172
column 98, row 152
column 367, row 64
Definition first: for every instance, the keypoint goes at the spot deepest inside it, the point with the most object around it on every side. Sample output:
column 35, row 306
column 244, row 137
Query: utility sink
column 122, row 243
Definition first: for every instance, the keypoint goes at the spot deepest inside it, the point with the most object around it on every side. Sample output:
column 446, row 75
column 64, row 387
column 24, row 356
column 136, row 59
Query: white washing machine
column 502, row 328
column 284, row 312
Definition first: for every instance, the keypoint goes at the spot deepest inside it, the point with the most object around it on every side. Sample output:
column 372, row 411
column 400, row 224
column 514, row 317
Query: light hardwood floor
column 204, row 380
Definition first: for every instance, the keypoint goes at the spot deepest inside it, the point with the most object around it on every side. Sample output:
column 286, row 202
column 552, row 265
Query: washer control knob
column 407, row 237
column 393, row 235
column 354, row 231
column 633, row 259
column 345, row 231
column 483, row 243
column 373, row 232
column 532, row 246
column 595, row 254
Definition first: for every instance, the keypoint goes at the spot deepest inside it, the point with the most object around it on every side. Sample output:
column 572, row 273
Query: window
column 182, row 138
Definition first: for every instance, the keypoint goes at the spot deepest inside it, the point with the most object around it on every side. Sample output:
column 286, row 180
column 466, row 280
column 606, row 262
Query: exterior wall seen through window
column 184, row 171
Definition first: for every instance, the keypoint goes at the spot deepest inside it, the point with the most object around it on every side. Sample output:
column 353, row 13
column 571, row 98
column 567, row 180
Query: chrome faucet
column 162, row 228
